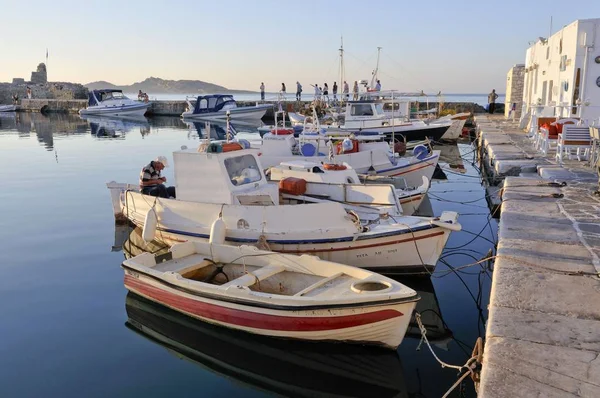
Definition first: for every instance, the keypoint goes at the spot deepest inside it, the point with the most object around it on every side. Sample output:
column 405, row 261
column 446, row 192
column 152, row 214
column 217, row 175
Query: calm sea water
column 64, row 310
column 480, row 99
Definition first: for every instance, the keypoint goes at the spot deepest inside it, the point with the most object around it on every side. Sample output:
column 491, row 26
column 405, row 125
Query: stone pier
column 543, row 332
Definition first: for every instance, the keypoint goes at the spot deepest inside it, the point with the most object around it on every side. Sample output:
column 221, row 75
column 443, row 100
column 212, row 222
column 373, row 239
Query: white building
column 562, row 72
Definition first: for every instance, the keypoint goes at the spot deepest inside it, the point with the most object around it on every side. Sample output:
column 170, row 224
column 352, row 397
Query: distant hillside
column 157, row 85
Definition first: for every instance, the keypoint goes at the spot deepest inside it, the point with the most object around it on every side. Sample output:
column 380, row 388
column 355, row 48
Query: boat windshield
column 361, row 110
column 112, row 95
column 242, row 170
column 379, row 109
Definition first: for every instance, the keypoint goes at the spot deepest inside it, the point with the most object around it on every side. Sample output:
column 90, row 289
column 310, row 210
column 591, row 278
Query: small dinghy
column 274, row 294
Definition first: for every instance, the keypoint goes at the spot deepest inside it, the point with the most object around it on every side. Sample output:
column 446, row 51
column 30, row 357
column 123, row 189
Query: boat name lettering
column 134, row 274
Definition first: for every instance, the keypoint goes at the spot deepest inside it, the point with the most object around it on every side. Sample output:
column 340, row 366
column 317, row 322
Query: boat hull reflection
column 290, row 368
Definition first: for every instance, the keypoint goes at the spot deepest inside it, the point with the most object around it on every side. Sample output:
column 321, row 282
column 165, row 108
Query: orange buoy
column 282, row 131
column 231, row 146
column 333, row 166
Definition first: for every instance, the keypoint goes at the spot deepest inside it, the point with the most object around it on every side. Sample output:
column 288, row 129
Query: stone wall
column 53, row 90
column 515, row 81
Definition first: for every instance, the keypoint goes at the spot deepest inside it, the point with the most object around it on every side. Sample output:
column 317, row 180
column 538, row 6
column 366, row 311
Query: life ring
column 333, row 166
column 281, row 131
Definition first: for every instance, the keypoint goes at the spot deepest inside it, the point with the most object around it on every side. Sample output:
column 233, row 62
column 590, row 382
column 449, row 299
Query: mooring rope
column 470, row 366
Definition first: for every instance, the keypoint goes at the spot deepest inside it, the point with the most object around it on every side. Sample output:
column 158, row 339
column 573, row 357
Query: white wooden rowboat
column 273, row 294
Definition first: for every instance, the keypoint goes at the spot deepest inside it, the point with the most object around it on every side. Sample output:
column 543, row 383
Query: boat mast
column 376, row 71
column 341, row 70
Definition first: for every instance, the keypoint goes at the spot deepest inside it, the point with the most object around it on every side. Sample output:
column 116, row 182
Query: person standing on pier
column 492, row 101
column 335, row 88
column 298, row 91
column 345, row 91
column 262, row 91
column 316, row 87
column 355, row 91
column 28, row 92
column 283, row 90
column 325, row 92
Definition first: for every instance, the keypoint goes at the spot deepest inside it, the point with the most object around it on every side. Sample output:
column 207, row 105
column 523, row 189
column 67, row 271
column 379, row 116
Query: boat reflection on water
column 450, row 154
column 438, row 333
column 116, row 127
column 290, row 368
column 217, row 130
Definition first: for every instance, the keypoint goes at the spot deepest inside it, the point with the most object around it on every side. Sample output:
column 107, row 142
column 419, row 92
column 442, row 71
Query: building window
column 548, row 53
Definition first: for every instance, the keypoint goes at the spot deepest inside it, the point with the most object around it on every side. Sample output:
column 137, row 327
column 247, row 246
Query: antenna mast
column 376, row 71
column 341, row 69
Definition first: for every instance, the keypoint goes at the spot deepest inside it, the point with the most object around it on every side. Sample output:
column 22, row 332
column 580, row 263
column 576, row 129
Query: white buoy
column 150, row 222
column 217, row 231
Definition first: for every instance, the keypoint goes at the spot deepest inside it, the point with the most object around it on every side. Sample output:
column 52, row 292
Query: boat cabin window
column 203, row 104
column 113, row 95
column 379, row 109
column 212, row 102
column 389, row 106
column 361, row 110
column 224, row 99
column 242, row 170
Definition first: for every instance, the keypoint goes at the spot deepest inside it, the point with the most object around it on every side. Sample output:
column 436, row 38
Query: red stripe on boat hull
column 249, row 319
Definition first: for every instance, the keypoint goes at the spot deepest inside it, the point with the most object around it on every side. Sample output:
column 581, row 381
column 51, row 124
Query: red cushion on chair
column 553, row 129
column 559, row 126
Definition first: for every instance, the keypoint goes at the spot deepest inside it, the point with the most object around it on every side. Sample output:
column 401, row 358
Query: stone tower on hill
column 40, row 76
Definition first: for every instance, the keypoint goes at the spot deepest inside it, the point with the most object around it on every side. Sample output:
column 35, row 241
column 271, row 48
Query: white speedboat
column 369, row 154
column 342, row 184
column 8, row 108
column 219, row 106
column 222, row 180
column 114, row 103
column 273, row 294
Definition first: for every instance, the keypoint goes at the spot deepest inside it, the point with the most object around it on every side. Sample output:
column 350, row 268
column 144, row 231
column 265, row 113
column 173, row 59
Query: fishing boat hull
column 413, row 245
column 374, row 324
column 136, row 109
column 246, row 113
column 375, row 163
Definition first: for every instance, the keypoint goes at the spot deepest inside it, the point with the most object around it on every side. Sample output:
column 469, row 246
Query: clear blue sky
column 456, row 47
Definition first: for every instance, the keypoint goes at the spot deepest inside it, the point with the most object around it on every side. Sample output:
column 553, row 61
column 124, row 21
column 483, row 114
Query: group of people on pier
column 321, row 93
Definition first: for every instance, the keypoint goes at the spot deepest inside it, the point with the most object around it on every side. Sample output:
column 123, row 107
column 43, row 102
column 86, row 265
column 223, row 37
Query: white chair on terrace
column 595, row 146
column 573, row 138
column 546, row 142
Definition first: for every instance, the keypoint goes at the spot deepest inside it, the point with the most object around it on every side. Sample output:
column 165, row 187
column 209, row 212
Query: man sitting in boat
column 151, row 182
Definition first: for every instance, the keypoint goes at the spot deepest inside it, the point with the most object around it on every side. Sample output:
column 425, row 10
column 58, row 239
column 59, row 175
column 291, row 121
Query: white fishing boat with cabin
column 231, row 185
column 368, row 155
column 273, row 294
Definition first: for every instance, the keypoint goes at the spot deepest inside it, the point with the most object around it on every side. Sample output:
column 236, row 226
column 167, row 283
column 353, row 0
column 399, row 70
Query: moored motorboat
column 221, row 106
column 343, row 184
column 232, row 186
column 368, row 155
column 272, row 294
column 114, row 103
column 8, row 108
column 283, row 367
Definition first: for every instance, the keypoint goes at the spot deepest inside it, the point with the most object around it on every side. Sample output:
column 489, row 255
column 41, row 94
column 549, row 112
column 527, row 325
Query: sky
column 453, row 46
